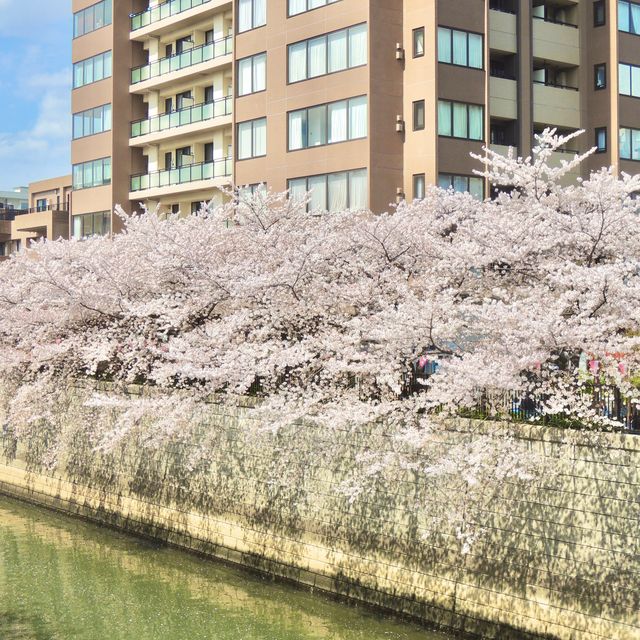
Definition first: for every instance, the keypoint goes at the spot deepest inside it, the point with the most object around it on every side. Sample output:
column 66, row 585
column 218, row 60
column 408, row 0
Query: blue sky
column 35, row 90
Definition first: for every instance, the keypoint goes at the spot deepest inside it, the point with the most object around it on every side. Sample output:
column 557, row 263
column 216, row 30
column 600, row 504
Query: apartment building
column 360, row 102
column 43, row 213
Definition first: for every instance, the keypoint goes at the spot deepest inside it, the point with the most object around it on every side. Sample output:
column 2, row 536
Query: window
column 328, row 53
column 251, row 14
column 418, row 186
column 332, row 192
column 460, row 48
column 629, row 143
column 328, row 123
column 418, row 115
column 599, row 76
column 418, row 42
column 252, row 138
column 92, row 121
column 629, row 80
column 41, row 204
column 91, row 224
column 94, row 173
column 599, row 13
column 248, row 192
column 92, row 69
column 252, row 74
column 601, row 139
column 629, row 17
column 460, row 120
column 462, row 184
column 300, row 6
column 94, row 17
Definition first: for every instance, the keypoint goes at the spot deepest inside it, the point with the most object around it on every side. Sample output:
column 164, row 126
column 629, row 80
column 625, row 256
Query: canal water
column 62, row 578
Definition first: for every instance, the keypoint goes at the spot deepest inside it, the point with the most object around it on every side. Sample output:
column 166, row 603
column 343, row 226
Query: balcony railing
column 555, row 21
column 557, row 85
column 203, row 53
column 182, row 117
column 162, row 11
column 10, row 214
column 182, row 175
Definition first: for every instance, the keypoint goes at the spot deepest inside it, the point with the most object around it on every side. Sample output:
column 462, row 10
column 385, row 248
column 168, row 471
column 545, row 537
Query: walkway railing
column 182, row 117
column 183, row 60
column 182, row 175
column 162, row 11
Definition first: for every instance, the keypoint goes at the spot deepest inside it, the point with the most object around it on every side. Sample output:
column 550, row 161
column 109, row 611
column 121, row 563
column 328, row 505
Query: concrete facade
column 557, row 558
column 510, row 67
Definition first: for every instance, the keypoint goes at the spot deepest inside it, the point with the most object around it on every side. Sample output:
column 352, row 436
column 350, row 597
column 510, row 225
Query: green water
column 63, row 578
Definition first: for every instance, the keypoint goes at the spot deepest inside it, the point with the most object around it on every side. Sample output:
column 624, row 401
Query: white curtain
column 107, row 64
column 244, row 140
column 635, row 144
column 418, row 42
column 635, row 82
column 476, row 188
column 338, row 190
column 358, row 52
column 460, row 183
column 297, row 189
column 476, row 51
column 313, row 4
column 337, row 51
column 444, row 181
column 244, row 15
column 297, row 62
column 260, row 72
column 318, row 189
column 337, row 122
column 460, row 48
column 297, row 129
column 77, row 227
column 635, row 18
column 317, row 126
column 358, row 189
column 244, row 76
column 444, row 118
column 107, row 118
column 317, row 57
column 624, row 71
column 444, row 44
column 260, row 137
column 623, row 16
column 475, row 122
column 460, row 120
column 625, row 143
column 297, row 6
column 259, row 13
column 358, row 117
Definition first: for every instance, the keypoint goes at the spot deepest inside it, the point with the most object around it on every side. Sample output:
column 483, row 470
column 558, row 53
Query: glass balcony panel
column 163, row 11
column 207, row 171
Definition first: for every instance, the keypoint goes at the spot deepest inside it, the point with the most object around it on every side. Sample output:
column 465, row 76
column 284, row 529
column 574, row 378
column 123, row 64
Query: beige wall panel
column 92, row 147
column 503, row 31
column 92, row 43
column 503, row 98
column 453, row 156
column 461, row 84
column 555, row 42
column 462, row 14
column 92, row 200
column 554, row 106
column 92, row 95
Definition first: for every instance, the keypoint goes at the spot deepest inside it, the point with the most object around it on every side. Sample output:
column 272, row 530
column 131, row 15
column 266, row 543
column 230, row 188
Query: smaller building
column 18, row 198
column 43, row 213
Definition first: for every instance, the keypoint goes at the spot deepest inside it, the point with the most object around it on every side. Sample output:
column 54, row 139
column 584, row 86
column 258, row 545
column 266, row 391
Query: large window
column 419, row 186
column 252, row 74
column 300, row 6
column 418, row 115
column 328, row 53
column 92, row 174
column 462, row 184
column 460, row 120
column 251, row 14
column 94, row 17
column 629, row 143
column 629, row 17
column 601, row 139
column 460, row 47
column 599, row 13
column 91, row 224
column 328, row 123
column 92, row 121
column 333, row 191
column 252, row 138
column 629, row 82
column 92, row 69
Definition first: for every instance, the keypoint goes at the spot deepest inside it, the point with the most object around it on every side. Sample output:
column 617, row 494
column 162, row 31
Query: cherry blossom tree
column 324, row 316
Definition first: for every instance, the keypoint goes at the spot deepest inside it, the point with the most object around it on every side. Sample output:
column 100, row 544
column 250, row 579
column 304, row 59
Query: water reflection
column 65, row 579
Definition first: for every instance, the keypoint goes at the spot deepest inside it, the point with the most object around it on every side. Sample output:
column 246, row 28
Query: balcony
column 503, row 31
column 503, row 98
column 166, row 70
column 190, row 177
column 557, row 41
column 556, row 105
column 178, row 123
column 162, row 12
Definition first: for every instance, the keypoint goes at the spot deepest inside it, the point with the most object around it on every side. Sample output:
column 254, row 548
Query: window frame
column 252, row 59
column 415, row 32
column 596, row 67
column 326, row 105
column 92, row 59
column 416, row 178
column 452, row 121
column 107, row 17
column 253, row 16
column 453, row 30
column 253, row 123
column 599, row 5
column 326, row 35
column 82, row 217
column 631, row 67
column 83, row 166
column 415, row 107
column 631, row 131
column 347, row 173
column 320, row 6
column 597, row 131
column 83, row 114
column 467, row 177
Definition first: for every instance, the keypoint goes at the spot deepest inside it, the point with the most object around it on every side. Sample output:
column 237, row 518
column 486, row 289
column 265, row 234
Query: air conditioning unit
column 399, row 51
column 399, row 194
column 399, row 124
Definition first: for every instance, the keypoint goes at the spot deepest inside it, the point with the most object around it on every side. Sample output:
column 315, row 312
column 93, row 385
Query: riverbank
column 558, row 559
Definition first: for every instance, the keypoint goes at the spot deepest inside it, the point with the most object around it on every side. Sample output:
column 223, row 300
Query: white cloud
column 17, row 16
